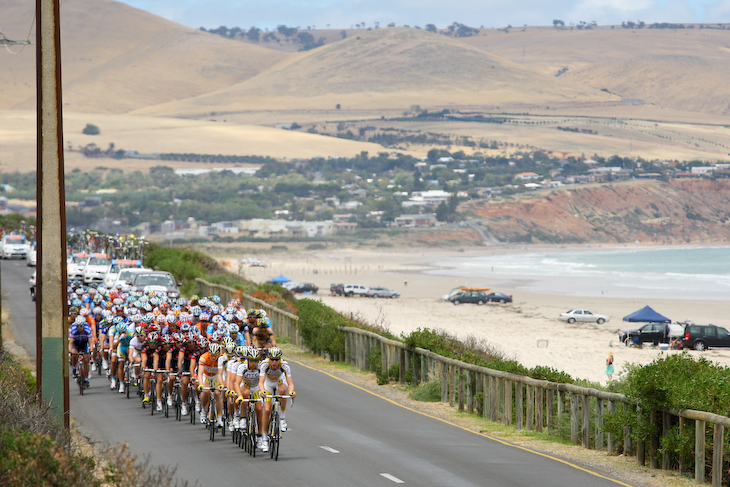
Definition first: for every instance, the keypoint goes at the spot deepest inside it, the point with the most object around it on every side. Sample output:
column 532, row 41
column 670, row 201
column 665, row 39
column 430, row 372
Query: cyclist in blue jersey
column 80, row 339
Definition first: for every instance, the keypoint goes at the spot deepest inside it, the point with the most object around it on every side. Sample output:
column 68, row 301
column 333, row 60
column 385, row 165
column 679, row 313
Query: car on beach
column 350, row 290
column 583, row 316
column 304, row 288
column 469, row 296
column 654, row 333
column 499, row 298
column 381, row 292
column 702, row 337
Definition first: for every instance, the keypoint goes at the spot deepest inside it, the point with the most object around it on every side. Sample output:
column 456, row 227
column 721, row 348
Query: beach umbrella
column 647, row 315
column 280, row 279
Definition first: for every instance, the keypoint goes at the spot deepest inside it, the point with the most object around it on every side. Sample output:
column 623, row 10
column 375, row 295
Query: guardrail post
column 401, row 365
column 574, row 431
column 718, row 441
column 494, row 404
column 470, row 391
column 681, row 430
column 486, row 408
column 599, row 424
column 653, row 443
column 550, row 408
column 519, row 405
column 561, row 403
column 611, row 447
column 507, row 417
column 452, row 385
column 460, row 373
column 586, row 426
column 444, row 382
column 539, row 408
column 699, row 451
column 666, row 426
column 530, row 408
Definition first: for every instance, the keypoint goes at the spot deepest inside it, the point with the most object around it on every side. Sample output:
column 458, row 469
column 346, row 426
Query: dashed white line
column 392, row 478
column 329, row 449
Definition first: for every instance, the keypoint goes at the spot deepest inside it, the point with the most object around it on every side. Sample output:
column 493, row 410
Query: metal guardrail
column 511, row 399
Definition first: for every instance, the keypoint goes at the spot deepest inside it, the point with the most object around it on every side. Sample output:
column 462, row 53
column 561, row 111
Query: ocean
column 686, row 273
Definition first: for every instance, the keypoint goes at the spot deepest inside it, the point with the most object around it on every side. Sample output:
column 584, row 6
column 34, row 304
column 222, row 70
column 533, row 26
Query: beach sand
column 527, row 330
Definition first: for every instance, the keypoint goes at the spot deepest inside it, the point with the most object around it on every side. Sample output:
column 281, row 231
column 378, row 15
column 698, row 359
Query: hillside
column 391, row 68
column 643, row 211
column 117, row 58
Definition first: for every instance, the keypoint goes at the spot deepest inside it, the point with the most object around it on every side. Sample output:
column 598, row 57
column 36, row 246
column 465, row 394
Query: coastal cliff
column 674, row 212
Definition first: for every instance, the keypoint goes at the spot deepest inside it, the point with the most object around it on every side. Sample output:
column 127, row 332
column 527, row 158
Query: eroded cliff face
column 645, row 211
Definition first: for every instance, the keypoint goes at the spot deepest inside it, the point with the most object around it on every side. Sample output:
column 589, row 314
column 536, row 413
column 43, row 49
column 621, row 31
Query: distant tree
column 253, row 34
column 287, row 31
column 391, row 24
column 338, row 106
column 343, row 33
column 377, row 25
column 431, row 28
column 91, row 129
column 558, row 23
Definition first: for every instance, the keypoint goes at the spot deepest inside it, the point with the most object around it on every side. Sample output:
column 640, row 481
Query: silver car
column 583, row 315
column 381, row 292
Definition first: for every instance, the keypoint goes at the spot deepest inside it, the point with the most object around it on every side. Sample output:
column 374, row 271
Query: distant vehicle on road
column 14, row 246
column 381, row 292
column 584, row 316
column 158, row 281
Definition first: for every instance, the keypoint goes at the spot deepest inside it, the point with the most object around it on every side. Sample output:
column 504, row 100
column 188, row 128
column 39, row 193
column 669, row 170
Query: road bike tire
column 211, row 417
column 153, row 396
column 274, row 429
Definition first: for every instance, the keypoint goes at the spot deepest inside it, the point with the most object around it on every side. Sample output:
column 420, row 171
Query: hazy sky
column 475, row 13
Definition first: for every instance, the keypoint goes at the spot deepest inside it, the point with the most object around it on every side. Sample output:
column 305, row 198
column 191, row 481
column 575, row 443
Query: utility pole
column 51, row 304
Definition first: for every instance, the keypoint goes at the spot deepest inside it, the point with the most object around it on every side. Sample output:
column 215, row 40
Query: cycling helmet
column 73, row 310
column 275, row 352
column 171, row 319
column 204, row 316
column 216, row 336
column 84, row 311
column 80, row 320
column 185, row 327
column 195, row 310
column 77, row 303
column 214, row 309
column 232, row 328
column 118, row 301
column 139, row 331
column 216, row 299
column 230, row 347
column 194, row 297
column 97, row 311
column 153, row 338
column 240, row 351
column 216, row 319
column 253, row 353
column 148, row 318
column 229, row 316
column 262, row 312
column 226, row 340
column 215, row 348
column 240, row 315
column 154, row 327
column 223, row 326
column 202, row 342
column 135, row 318
column 118, row 320
column 166, row 339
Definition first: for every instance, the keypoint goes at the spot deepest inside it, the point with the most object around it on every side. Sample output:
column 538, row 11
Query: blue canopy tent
column 646, row 315
column 280, row 279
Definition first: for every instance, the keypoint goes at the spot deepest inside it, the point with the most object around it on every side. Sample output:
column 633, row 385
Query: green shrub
column 319, row 325
column 428, row 392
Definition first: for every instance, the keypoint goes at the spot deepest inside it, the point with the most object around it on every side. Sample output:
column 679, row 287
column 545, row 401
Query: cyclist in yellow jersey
column 272, row 374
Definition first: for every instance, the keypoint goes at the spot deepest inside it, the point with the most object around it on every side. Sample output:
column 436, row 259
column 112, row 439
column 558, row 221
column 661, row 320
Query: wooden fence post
column 530, row 408
column 574, row 432
column 586, row 426
column 718, row 441
column 599, row 424
column 699, row 451
column 611, row 447
column 539, row 403
column 444, row 382
column 507, row 417
column 519, row 405
column 470, row 391
column 460, row 374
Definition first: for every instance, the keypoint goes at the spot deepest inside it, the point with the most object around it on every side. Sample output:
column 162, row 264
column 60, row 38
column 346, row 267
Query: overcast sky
column 476, row 13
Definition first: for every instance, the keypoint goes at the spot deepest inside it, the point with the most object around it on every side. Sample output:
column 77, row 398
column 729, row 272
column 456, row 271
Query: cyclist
column 246, row 383
column 122, row 337
column 262, row 335
column 150, row 360
column 208, row 380
column 187, row 362
column 272, row 373
column 80, row 339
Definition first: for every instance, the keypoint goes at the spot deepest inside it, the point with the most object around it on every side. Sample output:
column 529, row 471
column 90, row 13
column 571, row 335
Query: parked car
column 350, row 290
column 381, row 292
column 478, row 297
column 31, row 283
column 158, row 281
column 654, row 333
column 583, row 315
column 499, row 298
column 337, row 289
column 305, row 288
column 702, row 337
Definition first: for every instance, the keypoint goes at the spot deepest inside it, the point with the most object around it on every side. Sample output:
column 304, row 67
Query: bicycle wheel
column 177, row 402
column 191, row 405
column 211, row 417
column 153, row 396
column 165, row 405
column 274, row 429
column 252, row 428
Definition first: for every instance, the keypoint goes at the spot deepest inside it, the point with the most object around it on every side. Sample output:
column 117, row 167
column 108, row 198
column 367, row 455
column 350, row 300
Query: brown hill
column 391, row 68
column 680, row 69
column 116, row 58
column 644, row 211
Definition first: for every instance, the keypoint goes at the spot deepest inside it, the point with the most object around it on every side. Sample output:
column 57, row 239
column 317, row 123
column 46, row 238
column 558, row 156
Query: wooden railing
column 511, row 399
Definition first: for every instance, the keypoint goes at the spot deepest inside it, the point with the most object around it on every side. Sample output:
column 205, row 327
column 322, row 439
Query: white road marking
column 392, row 478
column 331, row 450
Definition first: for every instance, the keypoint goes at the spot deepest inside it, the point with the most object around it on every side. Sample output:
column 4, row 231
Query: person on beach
column 609, row 366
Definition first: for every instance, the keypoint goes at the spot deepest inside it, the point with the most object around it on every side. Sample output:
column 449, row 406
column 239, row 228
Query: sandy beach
column 527, row 330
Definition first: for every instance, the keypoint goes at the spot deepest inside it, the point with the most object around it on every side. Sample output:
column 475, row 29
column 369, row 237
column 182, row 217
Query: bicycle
column 275, row 424
column 250, row 432
column 79, row 375
column 153, row 390
column 177, row 401
column 127, row 378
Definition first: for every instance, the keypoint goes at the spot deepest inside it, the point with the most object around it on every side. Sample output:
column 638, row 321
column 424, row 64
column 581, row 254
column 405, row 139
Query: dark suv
column 702, row 337
column 305, row 288
column 478, row 297
column 654, row 333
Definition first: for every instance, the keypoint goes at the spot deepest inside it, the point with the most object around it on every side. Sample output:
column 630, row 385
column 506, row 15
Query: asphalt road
column 340, row 435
